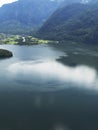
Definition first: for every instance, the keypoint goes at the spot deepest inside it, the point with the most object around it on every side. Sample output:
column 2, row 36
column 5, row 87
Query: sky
column 2, row 2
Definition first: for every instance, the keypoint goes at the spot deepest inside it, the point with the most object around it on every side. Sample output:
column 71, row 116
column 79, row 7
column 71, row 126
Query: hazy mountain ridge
column 25, row 14
column 76, row 22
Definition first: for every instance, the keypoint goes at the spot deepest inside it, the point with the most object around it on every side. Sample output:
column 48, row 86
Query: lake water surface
column 46, row 87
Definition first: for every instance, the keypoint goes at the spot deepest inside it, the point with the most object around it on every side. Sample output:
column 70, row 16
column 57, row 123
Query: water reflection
column 49, row 70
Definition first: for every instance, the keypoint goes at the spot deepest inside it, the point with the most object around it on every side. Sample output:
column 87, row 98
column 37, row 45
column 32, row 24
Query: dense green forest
column 75, row 22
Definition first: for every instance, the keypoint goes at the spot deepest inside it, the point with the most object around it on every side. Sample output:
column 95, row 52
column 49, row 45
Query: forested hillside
column 76, row 22
column 25, row 15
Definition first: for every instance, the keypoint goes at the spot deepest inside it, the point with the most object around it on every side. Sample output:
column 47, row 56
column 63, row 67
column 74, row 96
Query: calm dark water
column 49, row 88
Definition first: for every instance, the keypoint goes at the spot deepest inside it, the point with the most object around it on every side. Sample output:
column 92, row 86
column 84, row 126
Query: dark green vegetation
column 5, row 53
column 25, row 15
column 76, row 22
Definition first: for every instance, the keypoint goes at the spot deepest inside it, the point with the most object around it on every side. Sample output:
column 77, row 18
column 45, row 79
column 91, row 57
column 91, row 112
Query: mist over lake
column 48, row 87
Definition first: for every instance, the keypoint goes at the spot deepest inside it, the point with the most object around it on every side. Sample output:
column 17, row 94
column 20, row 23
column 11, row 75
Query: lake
column 49, row 87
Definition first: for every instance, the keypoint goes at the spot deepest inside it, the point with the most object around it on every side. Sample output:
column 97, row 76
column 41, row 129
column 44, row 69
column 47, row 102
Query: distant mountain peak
column 26, row 15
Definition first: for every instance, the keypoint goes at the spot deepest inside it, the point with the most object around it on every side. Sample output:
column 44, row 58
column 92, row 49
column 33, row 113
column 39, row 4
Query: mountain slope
column 76, row 22
column 26, row 14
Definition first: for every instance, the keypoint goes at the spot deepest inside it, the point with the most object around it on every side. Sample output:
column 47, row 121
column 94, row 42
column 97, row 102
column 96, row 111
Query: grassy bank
column 22, row 40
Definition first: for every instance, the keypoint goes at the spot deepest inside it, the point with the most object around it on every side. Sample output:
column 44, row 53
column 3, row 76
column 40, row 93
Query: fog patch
column 53, row 71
